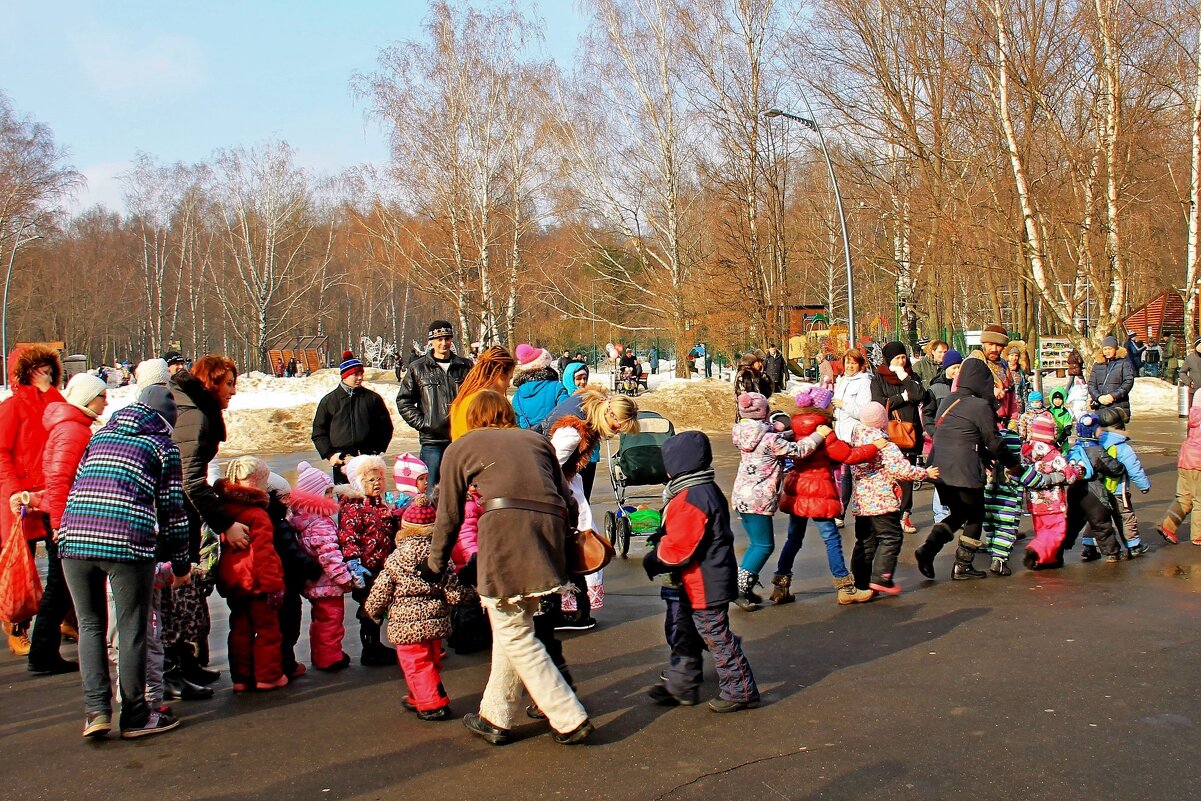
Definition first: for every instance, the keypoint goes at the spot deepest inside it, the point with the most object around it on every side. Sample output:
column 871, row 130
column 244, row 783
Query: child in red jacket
column 696, row 546
column 252, row 580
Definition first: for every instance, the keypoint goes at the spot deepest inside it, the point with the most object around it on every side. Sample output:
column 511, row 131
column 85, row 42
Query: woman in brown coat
column 528, row 508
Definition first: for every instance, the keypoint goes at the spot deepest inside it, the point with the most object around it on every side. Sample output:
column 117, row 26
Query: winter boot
column 175, row 686
column 848, row 593
column 1000, row 567
column 939, row 536
column 964, row 554
column 747, row 598
column 1089, row 553
column 375, row 653
column 782, row 589
column 192, row 669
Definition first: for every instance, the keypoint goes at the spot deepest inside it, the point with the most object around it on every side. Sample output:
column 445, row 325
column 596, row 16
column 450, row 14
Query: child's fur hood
column 250, row 496
column 308, row 503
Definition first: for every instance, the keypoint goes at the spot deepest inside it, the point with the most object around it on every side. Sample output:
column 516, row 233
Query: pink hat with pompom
column 406, row 471
column 311, row 480
column 752, row 406
column 531, row 358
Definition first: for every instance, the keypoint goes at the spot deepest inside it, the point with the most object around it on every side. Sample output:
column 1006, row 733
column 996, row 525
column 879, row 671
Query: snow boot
column 964, row 554
column 375, row 653
column 781, row 589
column 848, row 593
column 939, row 536
column 747, row 598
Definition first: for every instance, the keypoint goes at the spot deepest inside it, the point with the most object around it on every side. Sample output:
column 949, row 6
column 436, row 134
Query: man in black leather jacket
column 426, row 392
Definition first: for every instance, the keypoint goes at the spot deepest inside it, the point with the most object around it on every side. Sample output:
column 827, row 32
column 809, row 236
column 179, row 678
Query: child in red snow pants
column 421, row 663
column 254, row 641
column 326, row 631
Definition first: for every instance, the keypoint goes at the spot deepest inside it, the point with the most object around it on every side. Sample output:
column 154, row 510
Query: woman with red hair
column 34, row 373
column 201, row 396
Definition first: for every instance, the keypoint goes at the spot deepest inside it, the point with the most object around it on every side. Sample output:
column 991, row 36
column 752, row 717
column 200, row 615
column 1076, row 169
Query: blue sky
column 180, row 80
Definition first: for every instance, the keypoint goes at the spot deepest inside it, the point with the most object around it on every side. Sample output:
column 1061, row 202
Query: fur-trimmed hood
column 543, row 374
column 1099, row 358
column 237, row 493
column 359, row 465
column 589, row 437
column 308, row 503
column 22, row 361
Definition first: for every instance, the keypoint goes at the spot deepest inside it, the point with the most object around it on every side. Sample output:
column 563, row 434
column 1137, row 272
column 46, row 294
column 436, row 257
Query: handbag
column 901, row 433
column 20, row 587
column 588, row 551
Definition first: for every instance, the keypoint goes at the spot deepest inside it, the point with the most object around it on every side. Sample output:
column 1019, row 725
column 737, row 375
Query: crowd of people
column 471, row 549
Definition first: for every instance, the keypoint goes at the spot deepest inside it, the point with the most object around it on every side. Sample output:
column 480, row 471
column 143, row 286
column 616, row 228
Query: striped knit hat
column 406, row 471
column 312, row 481
column 1043, row 429
column 350, row 365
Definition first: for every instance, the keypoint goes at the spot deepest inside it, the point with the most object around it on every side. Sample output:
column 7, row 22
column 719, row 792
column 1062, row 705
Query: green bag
column 645, row 521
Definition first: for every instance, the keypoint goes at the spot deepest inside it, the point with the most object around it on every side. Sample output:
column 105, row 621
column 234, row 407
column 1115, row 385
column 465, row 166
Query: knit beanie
column 1086, row 426
column 174, row 357
column 873, row 415
column 530, row 358
column 83, row 388
column 892, row 350
column 994, row 335
column 350, row 365
column 1035, row 397
column 160, row 399
column 151, row 371
column 1109, row 342
column 406, row 471
column 440, row 328
column 752, row 406
column 1043, row 429
column 951, row 358
column 312, row 481
column 279, row 485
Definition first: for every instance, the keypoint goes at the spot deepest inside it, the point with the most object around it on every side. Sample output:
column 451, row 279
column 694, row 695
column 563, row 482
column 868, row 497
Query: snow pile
column 1153, row 396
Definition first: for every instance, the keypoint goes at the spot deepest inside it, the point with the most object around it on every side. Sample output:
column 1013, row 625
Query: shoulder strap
column 947, row 411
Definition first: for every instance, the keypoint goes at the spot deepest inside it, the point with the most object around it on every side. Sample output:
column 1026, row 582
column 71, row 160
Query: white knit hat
column 151, row 371
column 83, row 388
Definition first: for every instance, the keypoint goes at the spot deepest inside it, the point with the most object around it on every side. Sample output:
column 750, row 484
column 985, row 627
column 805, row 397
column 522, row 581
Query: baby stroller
column 637, row 462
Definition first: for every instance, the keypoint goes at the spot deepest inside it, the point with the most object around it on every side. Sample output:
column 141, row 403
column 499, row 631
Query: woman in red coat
column 34, row 373
column 810, row 492
column 68, row 429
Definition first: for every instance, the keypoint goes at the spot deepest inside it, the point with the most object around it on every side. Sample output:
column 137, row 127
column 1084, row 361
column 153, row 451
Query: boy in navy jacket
column 695, row 545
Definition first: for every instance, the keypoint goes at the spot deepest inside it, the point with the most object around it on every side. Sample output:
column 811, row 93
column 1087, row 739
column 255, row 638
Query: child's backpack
column 1077, row 456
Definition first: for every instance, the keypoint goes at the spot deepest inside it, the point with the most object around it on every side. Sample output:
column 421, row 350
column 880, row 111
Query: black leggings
column 967, row 511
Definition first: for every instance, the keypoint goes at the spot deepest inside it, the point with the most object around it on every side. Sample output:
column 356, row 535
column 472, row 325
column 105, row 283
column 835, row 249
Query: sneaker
column 98, row 724
column 576, row 624
column 157, row 723
column 478, row 724
column 1167, row 535
column 1138, row 550
column 723, row 705
column 18, row 643
column 576, row 736
column 1195, row 542
column 907, row 525
column 441, row 713
column 68, row 632
column 1114, row 558
column 1000, row 567
column 885, row 587
column 267, row 686
column 55, row 668
column 664, row 697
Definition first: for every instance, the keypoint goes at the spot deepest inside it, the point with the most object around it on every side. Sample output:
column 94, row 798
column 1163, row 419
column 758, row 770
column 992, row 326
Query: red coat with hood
column 256, row 570
column 809, row 488
column 22, row 443
column 68, row 430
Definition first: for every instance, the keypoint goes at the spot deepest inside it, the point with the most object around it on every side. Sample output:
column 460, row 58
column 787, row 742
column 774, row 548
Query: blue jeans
column 796, row 536
column 940, row 511
column 763, row 541
column 432, row 456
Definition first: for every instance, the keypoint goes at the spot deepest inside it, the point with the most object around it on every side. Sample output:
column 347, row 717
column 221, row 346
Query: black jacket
column 425, row 396
column 199, row 431
column 965, row 434
column 1112, row 377
column 352, row 423
column 939, row 389
column 299, row 567
column 887, row 390
column 774, row 368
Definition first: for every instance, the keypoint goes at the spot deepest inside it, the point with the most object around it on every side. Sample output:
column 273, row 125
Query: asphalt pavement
column 1072, row 684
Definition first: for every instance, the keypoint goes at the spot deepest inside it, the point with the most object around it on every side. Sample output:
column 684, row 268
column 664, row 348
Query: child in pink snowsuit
column 313, row 509
column 1046, row 478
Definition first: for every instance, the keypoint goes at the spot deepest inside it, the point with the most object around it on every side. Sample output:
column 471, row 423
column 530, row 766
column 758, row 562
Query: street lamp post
column 17, row 242
column 810, row 122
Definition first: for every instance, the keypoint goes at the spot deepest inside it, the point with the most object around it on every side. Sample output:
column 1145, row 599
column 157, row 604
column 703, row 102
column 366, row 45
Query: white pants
column 518, row 658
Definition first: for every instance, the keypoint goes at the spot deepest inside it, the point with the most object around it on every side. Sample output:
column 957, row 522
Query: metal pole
column 17, row 242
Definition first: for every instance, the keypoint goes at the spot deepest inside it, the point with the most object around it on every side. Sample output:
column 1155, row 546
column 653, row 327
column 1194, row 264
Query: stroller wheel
column 624, row 533
column 611, row 528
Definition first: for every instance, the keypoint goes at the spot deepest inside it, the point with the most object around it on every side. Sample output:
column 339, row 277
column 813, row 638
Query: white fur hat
column 358, row 466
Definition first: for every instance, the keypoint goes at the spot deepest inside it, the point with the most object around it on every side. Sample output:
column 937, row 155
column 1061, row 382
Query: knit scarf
column 682, row 482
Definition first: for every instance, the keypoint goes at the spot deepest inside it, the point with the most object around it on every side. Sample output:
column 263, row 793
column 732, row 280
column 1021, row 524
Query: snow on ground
column 1154, row 396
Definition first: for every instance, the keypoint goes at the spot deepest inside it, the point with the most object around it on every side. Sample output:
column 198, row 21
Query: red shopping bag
column 20, row 587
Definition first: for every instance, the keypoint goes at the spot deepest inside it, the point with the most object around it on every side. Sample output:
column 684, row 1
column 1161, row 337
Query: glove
column 359, row 575
column 275, row 599
column 652, row 565
column 427, row 573
column 467, row 573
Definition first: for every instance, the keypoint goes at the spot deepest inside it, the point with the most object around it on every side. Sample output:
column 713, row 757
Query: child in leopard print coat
column 418, row 612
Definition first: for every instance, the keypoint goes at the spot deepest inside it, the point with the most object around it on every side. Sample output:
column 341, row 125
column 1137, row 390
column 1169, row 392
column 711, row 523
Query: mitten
column 359, row 575
column 467, row 573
